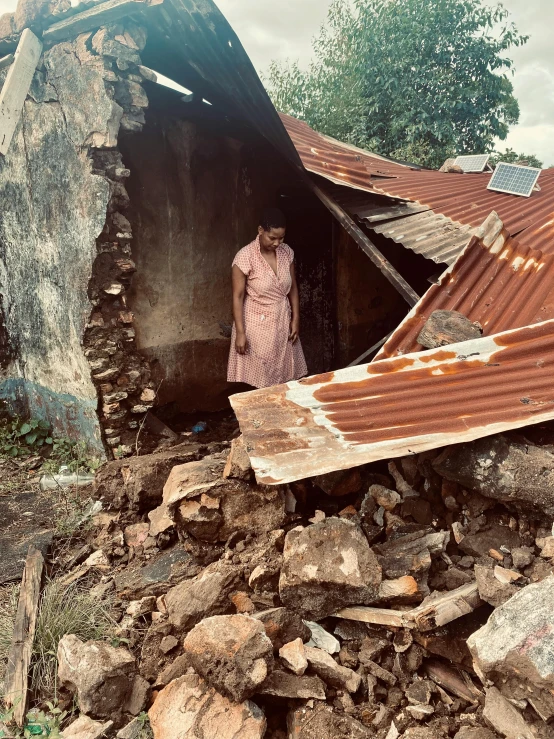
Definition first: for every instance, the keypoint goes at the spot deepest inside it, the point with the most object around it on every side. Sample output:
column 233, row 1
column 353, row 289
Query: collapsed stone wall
column 65, row 244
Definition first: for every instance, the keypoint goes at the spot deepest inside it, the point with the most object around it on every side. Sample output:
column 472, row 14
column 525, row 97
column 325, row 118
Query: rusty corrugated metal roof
column 461, row 202
column 399, row 406
column 496, row 281
column 340, row 163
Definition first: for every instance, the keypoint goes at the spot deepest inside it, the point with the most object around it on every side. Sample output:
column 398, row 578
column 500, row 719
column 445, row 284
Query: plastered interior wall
column 52, row 208
column 195, row 201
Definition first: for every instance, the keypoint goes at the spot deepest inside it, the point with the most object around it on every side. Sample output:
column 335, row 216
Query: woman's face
column 271, row 239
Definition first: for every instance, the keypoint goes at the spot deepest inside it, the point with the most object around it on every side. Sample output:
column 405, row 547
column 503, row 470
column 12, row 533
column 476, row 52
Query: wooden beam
column 19, row 657
column 95, row 17
column 16, row 86
column 377, row 616
column 372, row 349
column 367, row 246
column 5, row 61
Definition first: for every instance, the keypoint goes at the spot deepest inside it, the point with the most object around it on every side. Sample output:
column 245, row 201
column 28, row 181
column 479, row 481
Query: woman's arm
column 295, row 307
column 239, row 288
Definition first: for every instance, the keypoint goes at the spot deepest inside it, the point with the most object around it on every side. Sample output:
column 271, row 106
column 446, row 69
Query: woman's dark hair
column 273, row 218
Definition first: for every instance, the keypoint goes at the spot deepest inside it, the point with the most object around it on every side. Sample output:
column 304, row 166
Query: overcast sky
column 277, row 30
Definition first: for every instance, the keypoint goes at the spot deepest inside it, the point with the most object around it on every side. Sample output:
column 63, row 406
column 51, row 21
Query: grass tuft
column 62, row 610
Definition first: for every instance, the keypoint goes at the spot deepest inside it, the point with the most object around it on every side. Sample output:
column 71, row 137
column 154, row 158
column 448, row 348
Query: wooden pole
column 19, row 657
column 367, row 246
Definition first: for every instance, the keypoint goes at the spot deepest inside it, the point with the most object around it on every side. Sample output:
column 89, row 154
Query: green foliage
column 411, row 79
column 37, row 723
column 512, row 157
column 145, row 730
column 70, row 454
column 20, row 438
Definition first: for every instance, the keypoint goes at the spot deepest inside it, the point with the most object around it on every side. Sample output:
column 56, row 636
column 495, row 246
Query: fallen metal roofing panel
column 496, row 281
column 340, row 163
column 399, row 406
column 412, row 225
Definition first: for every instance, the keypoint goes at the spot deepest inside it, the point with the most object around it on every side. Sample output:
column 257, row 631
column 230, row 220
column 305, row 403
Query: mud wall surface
column 195, row 201
column 368, row 306
column 52, row 210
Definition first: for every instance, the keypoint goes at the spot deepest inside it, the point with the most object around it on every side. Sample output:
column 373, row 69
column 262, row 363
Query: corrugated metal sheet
column 496, row 281
column 399, row 406
column 465, row 198
column 340, row 163
column 412, row 225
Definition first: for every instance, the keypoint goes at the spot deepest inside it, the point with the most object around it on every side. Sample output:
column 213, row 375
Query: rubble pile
column 394, row 600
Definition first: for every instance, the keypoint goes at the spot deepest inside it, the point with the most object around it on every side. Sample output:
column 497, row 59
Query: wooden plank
column 378, row 616
column 374, row 348
column 19, row 657
column 447, row 607
column 95, row 17
column 17, row 85
column 368, row 247
column 5, row 61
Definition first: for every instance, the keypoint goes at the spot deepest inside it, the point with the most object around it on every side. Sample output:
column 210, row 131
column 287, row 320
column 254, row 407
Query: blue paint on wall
column 69, row 416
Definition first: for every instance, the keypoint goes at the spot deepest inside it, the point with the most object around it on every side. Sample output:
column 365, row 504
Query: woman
column 265, row 348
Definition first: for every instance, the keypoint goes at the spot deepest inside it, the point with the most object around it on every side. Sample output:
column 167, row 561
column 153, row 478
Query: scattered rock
column 99, row 675
column 475, row 732
column 283, row 626
column 86, row 728
column 340, row 483
column 238, row 462
column 384, row 497
column 187, row 707
column 516, row 647
column 522, row 557
column 293, row 656
column 322, row 639
column 205, row 595
column 321, row 722
column 504, row 717
column 168, row 644
column 326, row 567
column 162, row 572
column 491, row 590
column 136, row 534
column 333, row 674
column 284, row 685
column 131, row 731
column 495, row 537
column 232, row 653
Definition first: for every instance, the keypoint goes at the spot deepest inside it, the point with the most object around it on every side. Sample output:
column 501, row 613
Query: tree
column 512, row 157
column 411, row 79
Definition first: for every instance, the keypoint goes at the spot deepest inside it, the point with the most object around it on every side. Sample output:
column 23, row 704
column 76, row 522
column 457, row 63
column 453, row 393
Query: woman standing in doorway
column 265, row 348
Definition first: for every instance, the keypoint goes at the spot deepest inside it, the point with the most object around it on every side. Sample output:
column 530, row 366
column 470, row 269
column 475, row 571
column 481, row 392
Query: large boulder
column 515, row 648
column 326, row 567
column 188, row 708
column 205, row 595
column 101, row 676
column 232, row 653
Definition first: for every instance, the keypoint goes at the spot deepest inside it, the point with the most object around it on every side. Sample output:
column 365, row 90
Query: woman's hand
column 241, row 345
column 294, row 330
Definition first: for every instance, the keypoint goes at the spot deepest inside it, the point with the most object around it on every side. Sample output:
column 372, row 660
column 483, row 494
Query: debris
column 204, row 595
column 19, row 654
column 333, row 674
column 514, row 647
column 322, row 639
column 86, row 728
column 501, row 468
column 101, row 676
column 284, row 685
column 293, row 656
column 321, row 722
column 232, row 653
column 339, row 484
column 69, row 479
column 189, row 705
column 455, row 681
column 445, row 327
column 504, row 717
column 384, row 497
column 326, row 566
column 238, row 462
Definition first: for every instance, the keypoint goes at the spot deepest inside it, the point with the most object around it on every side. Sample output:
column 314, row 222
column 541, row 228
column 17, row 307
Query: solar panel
column 472, row 162
column 514, row 179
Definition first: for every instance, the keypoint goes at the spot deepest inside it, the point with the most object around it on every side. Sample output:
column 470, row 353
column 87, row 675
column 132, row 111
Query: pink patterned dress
column 270, row 357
